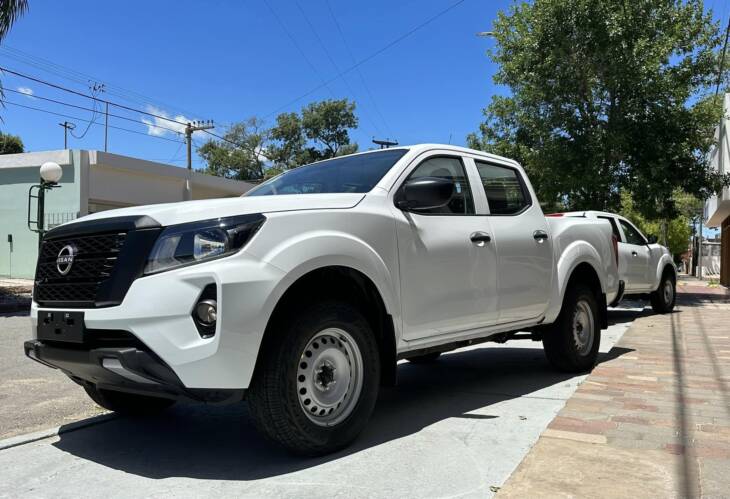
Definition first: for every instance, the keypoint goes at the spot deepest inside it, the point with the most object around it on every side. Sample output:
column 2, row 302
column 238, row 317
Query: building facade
column 717, row 209
column 92, row 181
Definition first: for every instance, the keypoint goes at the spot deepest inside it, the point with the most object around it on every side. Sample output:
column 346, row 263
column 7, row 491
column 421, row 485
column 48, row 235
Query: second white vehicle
column 646, row 268
column 302, row 295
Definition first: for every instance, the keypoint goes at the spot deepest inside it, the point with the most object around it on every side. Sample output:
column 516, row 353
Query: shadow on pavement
column 210, row 442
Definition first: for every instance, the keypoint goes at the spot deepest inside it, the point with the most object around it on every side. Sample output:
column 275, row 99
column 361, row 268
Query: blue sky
column 227, row 61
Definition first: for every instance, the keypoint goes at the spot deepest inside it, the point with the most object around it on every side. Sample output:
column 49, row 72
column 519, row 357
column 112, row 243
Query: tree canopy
column 10, row 144
column 607, row 97
column 253, row 152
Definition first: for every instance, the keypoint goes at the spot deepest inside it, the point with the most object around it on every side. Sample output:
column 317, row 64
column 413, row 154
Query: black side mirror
column 652, row 239
column 425, row 193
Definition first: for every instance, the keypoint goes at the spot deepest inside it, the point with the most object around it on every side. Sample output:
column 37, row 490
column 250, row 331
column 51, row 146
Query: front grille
column 94, row 261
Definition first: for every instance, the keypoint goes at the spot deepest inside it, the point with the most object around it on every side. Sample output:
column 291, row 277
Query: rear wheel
column 424, row 359
column 316, row 387
column 663, row 299
column 128, row 403
column 571, row 343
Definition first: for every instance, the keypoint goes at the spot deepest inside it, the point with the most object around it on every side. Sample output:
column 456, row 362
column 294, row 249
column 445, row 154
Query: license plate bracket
column 61, row 326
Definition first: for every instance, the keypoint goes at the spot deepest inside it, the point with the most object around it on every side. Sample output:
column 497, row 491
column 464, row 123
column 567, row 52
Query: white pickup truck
column 302, row 295
column 646, row 269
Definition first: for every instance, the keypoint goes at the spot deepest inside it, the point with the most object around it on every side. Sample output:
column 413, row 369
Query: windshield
column 358, row 173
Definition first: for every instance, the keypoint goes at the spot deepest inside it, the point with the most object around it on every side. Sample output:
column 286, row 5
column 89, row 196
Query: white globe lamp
column 51, row 172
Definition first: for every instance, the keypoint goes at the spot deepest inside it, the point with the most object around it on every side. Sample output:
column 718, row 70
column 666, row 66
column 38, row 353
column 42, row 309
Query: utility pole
column 384, row 144
column 106, row 127
column 97, row 88
column 67, row 125
column 195, row 126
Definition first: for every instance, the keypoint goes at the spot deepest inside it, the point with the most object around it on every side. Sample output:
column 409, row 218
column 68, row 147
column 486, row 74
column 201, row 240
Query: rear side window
column 450, row 168
column 633, row 236
column 614, row 227
column 505, row 192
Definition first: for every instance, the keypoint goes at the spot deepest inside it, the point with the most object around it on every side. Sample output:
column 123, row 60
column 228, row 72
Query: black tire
column 561, row 341
column 664, row 298
column 425, row 358
column 274, row 396
column 128, row 403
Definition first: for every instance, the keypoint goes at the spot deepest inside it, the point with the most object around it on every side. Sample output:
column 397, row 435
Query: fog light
column 207, row 312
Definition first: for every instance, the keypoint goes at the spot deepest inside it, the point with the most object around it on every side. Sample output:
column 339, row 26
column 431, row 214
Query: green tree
column 10, row 144
column 241, row 155
column 607, row 96
column 674, row 233
column 320, row 131
column 10, row 11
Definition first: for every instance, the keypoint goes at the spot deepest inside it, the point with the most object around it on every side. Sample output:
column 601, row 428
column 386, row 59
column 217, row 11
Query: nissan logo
column 65, row 259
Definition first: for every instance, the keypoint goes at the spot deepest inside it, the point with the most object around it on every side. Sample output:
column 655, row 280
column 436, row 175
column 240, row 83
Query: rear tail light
column 614, row 242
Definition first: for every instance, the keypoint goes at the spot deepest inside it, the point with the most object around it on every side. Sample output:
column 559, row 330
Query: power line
column 352, row 58
column 325, row 84
column 68, row 104
column 83, row 78
column 4, row 101
column 76, row 92
column 332, row 61
column 371, row 56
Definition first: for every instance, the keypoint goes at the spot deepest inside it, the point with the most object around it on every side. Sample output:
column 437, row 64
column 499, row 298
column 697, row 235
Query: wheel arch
column 585, row 273
column 344, row 283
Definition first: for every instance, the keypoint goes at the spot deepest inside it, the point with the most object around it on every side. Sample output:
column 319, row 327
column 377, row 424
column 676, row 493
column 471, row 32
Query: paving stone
column 664, row 408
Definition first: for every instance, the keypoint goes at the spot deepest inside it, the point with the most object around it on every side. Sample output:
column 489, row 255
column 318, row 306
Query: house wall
column 725, row 253
column 17, row 173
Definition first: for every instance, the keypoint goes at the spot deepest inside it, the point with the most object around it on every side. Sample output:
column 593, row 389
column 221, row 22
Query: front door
column 635, row 255
column 447, row 268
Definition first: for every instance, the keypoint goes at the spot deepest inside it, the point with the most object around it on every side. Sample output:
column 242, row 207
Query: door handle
column 634, row 253
column 480, row 238
column 540, row 236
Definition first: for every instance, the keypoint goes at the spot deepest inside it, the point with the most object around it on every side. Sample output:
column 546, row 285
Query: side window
column 504, row 190
column 614, row 227
column 451, row 168
column 633, row 236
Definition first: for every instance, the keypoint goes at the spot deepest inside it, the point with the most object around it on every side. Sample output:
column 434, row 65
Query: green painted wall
column 62, row 204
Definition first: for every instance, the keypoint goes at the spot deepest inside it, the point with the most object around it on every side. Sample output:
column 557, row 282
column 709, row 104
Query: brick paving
column 652, row 422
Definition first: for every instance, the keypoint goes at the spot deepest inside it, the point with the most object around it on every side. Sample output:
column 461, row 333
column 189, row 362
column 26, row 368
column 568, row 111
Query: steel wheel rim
column 583, row 328
column 329, row 377
column 668, row 292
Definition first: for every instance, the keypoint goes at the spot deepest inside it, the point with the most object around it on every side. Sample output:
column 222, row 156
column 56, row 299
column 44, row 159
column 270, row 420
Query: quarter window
column 449, row 168
column 504, row 189
column 633, row 236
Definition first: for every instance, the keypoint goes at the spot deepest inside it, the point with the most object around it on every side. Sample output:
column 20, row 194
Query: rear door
column 448, row 280
column 524, row 248
column 634, row 251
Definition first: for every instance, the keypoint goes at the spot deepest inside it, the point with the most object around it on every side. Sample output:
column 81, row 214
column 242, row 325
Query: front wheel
column 571, row 343
column 663, row 299
column 316, row 386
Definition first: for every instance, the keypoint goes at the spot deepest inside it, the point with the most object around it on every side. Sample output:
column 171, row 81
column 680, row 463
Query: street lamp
column 50, row 176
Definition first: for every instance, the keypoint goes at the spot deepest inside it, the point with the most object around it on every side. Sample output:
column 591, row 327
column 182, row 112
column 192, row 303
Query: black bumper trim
column 620, row 295
column 84, row 366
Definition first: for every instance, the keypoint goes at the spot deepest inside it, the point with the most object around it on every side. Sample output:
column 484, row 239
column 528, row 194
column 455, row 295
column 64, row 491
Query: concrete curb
column 52, row 432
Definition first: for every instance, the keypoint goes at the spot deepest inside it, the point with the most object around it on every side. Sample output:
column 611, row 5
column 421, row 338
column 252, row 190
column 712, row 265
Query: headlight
column 187, row 244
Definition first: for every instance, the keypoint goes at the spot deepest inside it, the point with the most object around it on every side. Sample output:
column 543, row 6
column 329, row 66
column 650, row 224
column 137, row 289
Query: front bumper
column 127, row 368
column 157, row 312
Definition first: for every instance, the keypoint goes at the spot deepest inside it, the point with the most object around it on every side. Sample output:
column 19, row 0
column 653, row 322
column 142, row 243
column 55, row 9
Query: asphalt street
column 455, row 428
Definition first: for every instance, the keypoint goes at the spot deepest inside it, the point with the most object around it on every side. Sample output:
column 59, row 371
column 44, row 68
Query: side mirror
column 425, row 193
column 652, row 239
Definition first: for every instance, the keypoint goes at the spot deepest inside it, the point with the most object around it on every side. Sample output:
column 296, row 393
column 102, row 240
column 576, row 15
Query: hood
column 191, row 211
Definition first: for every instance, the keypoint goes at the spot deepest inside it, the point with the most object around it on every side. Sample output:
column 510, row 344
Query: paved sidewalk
column 654, row 422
